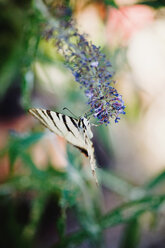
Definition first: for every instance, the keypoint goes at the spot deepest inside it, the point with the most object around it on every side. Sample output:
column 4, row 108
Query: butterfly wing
column 61, row 125
column 73, row 130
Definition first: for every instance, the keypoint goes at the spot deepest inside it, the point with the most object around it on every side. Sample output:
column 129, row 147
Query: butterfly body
column 76, row 131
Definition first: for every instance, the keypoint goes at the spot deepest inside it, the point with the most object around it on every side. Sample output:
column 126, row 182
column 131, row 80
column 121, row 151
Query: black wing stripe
column 83, row 125
column 66, row 125
column 82, row 150
column 35, row 111
column 58, row 115
column 50, row 116
column 73, row 121
column 79, row 123
column 43, row 111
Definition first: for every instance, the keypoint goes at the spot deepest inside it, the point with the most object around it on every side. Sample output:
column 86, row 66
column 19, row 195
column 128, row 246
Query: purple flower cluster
column 91, row 70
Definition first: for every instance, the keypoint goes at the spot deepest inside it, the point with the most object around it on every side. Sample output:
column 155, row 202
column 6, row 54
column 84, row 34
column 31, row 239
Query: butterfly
column 76, row 131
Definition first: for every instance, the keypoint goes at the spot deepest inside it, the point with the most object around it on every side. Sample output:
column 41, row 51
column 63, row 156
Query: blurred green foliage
column 155, row 3
column 26, row 195
column 72, row 190
column 20, row 34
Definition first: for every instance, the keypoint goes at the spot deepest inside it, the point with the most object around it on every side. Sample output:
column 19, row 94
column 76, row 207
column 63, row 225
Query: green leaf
column 34, row 170
column 131, row 210
column 123, row 214
column 24, row 141
column 131, row 235
column 153, row 3
column 156, row 181
column 19, row 143
column 112, row 3
column 13, row 154
column 115, row 183
column 37, row 208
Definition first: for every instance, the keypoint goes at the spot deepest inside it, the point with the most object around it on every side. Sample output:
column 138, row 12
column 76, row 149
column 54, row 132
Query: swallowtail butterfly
column 76, row 131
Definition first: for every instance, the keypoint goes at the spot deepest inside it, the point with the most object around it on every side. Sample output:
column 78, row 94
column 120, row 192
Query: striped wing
column 61, row 125
column 73, row 130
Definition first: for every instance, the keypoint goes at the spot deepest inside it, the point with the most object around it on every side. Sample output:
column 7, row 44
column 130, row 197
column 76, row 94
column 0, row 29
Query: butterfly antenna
column 87, row 115
column 70, row 112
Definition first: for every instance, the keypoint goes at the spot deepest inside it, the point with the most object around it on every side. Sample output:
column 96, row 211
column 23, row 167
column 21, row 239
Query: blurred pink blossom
column 122, row 23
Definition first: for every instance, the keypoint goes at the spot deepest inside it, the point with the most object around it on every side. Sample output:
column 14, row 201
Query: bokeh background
column 46, row 191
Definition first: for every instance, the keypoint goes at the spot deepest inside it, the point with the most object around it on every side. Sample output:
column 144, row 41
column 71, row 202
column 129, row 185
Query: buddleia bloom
column 90, row 69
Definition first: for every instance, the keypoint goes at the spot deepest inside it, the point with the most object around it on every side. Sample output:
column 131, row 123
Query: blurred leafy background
column 47, row 195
